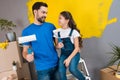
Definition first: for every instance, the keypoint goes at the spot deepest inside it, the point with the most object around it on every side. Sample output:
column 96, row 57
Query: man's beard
column 42, row 19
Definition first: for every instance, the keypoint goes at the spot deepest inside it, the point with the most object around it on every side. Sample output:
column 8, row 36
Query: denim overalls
column 65, row 53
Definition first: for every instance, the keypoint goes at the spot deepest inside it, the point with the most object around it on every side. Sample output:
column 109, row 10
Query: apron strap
column 58, row 34
column 71, row 32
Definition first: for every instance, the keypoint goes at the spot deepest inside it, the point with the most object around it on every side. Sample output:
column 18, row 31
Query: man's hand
column 30, row 57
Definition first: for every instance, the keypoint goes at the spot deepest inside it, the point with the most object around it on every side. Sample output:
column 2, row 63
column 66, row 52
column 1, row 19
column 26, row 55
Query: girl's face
column 63, row 22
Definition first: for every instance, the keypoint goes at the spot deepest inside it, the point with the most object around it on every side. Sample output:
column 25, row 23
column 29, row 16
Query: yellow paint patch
column 3, row 45
column 112, row 21
column 91, row 16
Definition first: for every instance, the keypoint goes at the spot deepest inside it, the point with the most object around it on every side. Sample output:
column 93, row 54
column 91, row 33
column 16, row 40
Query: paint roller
column 25, row 39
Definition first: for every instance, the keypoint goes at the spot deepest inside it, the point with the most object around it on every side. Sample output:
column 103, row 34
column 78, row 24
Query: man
column 44, row 54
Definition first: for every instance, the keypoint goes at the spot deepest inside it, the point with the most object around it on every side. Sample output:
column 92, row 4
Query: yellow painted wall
column 91, row 16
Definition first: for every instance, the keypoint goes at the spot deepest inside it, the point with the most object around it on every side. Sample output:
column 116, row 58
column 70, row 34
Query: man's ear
column 35, row 11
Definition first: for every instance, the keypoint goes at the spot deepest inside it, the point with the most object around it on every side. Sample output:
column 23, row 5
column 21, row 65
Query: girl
column 68, row 39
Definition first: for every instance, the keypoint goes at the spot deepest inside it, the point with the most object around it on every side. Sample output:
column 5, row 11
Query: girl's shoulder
column 75, row 33
column 57, row 30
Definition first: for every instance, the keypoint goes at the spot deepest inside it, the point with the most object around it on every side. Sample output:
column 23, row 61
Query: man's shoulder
column 28, row 27
column 48, row 23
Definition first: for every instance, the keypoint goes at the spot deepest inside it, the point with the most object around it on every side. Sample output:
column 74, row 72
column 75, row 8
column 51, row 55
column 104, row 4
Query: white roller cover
column 25, row 39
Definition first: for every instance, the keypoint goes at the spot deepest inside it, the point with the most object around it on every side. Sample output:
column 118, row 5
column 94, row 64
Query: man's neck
column 37, row 22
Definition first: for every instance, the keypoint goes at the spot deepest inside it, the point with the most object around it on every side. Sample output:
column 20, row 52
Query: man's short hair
column 37, row 6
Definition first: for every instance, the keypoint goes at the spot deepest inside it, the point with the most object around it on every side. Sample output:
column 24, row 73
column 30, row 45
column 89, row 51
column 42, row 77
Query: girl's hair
column 67, row 15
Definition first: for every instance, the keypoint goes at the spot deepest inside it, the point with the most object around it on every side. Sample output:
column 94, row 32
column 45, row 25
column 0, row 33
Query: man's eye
column 44, row 12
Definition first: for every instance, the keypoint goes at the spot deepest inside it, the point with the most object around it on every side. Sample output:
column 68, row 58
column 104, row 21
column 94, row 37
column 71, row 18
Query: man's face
column 41, row 14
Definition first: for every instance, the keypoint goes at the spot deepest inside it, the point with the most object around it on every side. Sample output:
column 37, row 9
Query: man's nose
column 45, row 14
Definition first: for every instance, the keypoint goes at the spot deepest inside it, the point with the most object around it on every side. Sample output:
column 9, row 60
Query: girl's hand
column 60, row 45
column 67, row 62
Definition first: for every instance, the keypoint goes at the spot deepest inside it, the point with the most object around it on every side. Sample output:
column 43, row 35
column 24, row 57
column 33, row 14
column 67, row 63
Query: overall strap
column 71, row 32
column 59, row 34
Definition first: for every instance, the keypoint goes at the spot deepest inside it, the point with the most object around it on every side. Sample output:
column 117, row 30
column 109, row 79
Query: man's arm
column 24, row 53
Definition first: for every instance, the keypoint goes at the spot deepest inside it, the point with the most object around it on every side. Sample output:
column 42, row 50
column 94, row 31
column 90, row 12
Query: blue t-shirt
column 45, row 55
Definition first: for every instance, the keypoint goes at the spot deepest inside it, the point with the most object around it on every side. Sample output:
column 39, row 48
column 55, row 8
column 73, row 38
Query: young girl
column 68, row 39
